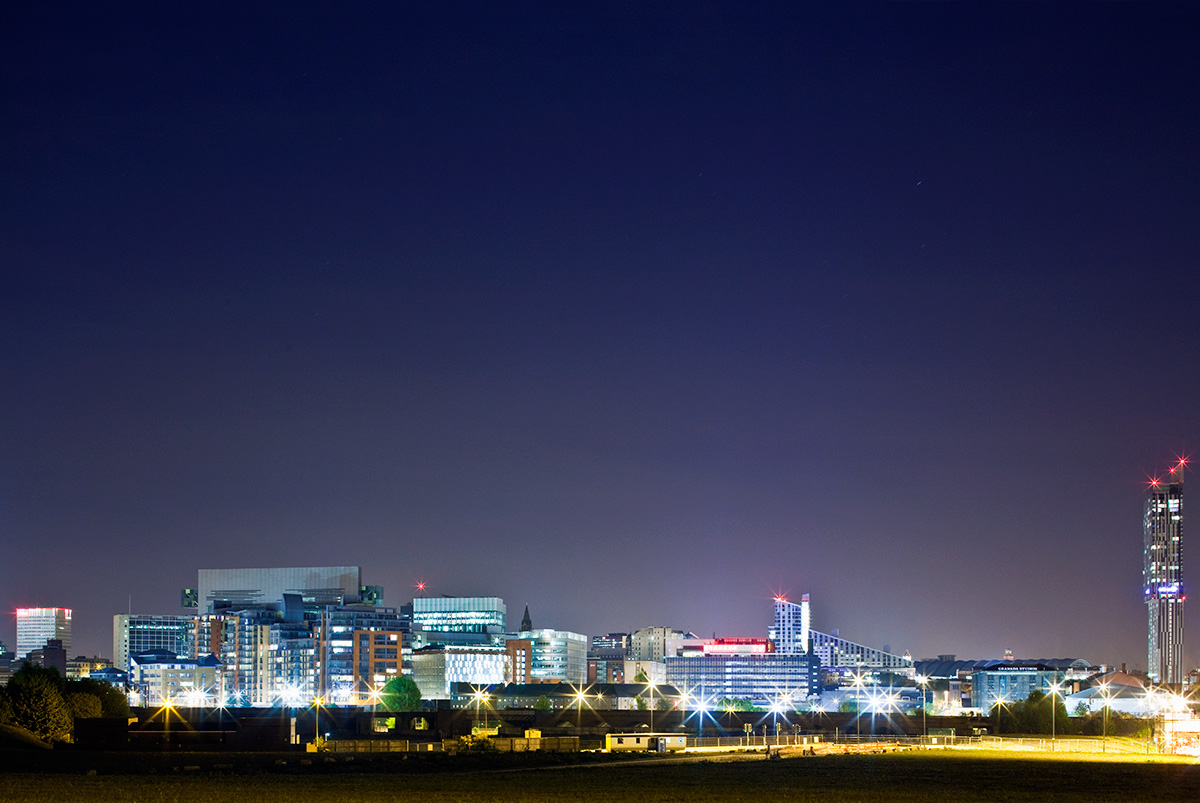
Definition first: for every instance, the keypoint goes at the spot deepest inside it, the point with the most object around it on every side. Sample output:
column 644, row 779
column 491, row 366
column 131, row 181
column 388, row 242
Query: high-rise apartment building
column 1162, row 574
column 36, row 626
column 790, row 629
column 359, row 649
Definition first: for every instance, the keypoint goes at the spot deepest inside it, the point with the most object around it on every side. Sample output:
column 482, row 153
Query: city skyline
column 638, row 316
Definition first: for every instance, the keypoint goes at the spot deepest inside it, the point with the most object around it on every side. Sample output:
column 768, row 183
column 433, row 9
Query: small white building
column 1115, row 691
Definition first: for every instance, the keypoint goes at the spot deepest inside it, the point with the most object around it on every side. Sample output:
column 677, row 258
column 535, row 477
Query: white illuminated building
column 792, row 633
column 36, row 626
column 460, row 614
column 556, row 655
column 790, row 630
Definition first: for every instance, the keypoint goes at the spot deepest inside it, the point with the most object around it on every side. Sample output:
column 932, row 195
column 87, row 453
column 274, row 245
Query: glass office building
column 460, row 614
column 765, row 679
column 36, row 626
column 1162, row 575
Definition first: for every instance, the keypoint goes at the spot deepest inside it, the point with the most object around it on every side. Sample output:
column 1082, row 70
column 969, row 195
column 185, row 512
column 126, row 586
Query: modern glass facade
column 1162, row 574
column 763, row 678
column 435, row 669
column 460, row 614
column 36, row 626
column 556, row 655
column 135, row 633
column 1011, row 684
column 240, row 588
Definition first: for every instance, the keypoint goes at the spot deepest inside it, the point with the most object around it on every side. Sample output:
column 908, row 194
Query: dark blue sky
column 637, row 315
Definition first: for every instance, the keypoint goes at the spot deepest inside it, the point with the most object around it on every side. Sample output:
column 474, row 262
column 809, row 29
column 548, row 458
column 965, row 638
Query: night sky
column 638, row 315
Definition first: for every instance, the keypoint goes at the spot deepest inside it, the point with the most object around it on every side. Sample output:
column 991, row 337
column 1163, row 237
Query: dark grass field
column 931, row 776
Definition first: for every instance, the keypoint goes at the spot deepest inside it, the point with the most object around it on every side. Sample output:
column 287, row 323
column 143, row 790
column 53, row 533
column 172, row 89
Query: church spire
column 525, row 623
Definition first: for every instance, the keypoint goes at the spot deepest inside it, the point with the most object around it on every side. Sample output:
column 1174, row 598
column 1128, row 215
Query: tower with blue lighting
column 1162, row 574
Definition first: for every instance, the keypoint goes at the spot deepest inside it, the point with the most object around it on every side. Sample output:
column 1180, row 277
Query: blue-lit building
column 764, row 678
column 1009, row 683
column 464, row 615
column 139, row 633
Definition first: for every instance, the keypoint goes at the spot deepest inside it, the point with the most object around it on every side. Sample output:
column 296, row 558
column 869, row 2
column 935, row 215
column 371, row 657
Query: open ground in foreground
column 913, row 776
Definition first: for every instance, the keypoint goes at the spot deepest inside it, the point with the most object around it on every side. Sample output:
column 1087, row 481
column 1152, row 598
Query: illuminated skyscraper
column 36, row 626
column 790, row 630
column 1162, row 559
column 793, row 635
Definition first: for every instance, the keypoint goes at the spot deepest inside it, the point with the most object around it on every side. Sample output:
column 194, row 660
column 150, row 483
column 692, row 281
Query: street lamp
column 317, row 703
column 1000, row 700
column 481, row 697
column 921, row 681
column 776, row 706
column 650, row 691
column 168, row 706
column 1104, row 719
column 858, row 685
column 1054, row 688
column 580, row 696
column 702, row 706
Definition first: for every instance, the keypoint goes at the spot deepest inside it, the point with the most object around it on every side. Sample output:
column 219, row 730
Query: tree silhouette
column 83, row 705
column 400, row 694
column 38, row 707
column 112, row 702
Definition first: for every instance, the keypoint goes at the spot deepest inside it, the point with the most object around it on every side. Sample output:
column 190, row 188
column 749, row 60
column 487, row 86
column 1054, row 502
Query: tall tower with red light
column 1162, row 574
column 790, row 630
